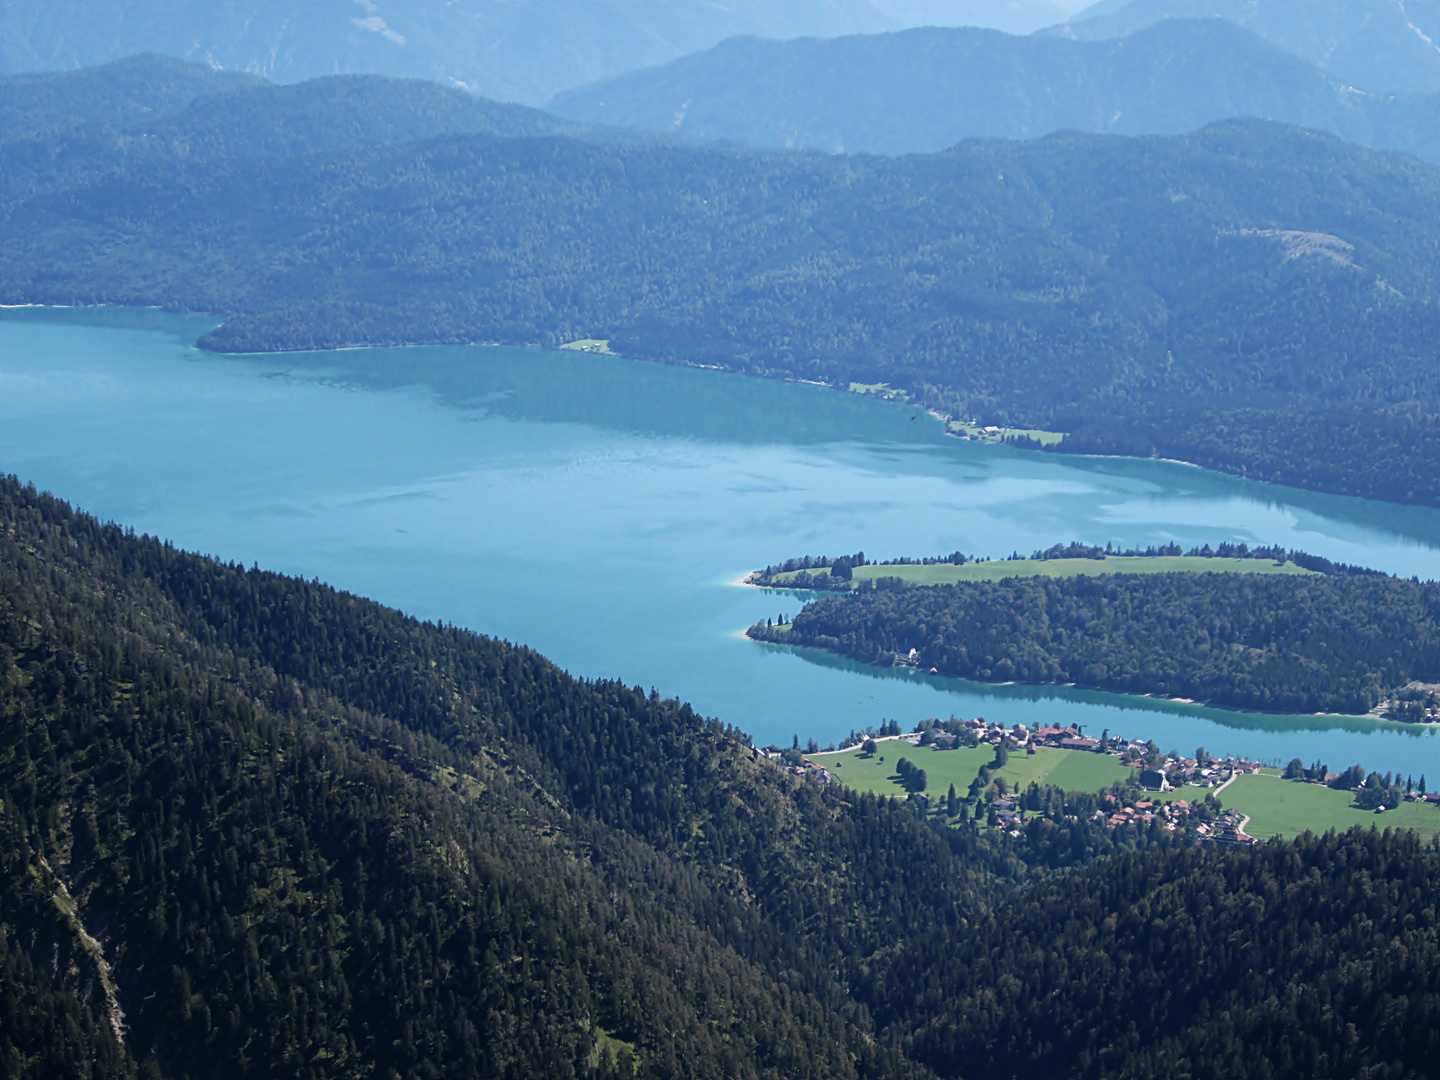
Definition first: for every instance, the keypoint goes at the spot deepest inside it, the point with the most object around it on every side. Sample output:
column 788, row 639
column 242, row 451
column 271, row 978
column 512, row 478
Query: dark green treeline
column 1334, row 642
column 253, row 826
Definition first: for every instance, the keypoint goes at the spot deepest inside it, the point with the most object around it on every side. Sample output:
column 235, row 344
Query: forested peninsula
column 1250, row 297
column 252, row 826
column 1324, row 642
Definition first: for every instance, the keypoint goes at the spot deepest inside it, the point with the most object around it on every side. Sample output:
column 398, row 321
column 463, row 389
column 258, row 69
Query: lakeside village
column 1149, row 795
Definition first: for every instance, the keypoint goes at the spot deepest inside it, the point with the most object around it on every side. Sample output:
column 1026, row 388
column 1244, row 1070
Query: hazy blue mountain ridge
column 926, row 89
column 42, row 147
column 1384, row 45
column 514, row 50
column 1011, row 16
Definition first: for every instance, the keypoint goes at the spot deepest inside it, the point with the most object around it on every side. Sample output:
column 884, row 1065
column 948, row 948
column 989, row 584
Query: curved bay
column 598, row 509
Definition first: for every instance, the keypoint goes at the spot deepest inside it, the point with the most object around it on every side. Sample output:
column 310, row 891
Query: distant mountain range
column 1383, row 45
column 926, row 89
column 514, row 50
column 160, row 96
column 1251, row 297
column 65, row 129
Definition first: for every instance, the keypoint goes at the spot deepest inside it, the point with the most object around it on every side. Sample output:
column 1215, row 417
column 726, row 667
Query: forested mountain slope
column 1324, row 643
column 311, row 835
column 1382, row 45
column 1251, row 297
column 254, row 826
column 924, row 90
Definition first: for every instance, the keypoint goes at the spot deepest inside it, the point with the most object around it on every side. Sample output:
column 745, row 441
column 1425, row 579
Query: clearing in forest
column 998, row 569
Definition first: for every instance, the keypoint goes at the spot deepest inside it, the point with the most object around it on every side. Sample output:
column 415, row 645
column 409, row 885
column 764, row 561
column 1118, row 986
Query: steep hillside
column 924, row 90
column 252, row 826
column 1382, row 45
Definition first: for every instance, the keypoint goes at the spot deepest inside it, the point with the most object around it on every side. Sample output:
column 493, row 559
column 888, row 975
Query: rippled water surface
column 599, row 509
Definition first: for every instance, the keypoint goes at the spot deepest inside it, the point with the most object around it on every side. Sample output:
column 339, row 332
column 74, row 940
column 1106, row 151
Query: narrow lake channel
column 599, row 509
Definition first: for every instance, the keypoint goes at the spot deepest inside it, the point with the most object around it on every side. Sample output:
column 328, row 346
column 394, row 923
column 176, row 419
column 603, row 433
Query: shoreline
column 1158, row 698
column 676, row 362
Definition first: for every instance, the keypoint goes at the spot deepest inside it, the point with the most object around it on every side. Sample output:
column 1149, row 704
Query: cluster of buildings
column 1143, row 811
column 1212, row 772
column 795, row 762
column 1157, row 772
column 1228, row 828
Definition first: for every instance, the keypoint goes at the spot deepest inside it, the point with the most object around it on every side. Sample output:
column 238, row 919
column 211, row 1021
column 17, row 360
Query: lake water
column 598, row 509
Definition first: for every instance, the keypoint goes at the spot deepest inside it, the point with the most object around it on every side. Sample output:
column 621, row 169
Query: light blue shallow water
column 599, row 508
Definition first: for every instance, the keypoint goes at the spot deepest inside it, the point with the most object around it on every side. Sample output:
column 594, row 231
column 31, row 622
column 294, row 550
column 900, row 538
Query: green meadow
column 996, row 570
column 971, row 431
column 1284, row 808
column 879, row 390
column 1275, row 807
column 591, row 345
column 1073, row 770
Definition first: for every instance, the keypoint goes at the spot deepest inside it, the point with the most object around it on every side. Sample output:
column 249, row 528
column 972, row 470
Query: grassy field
column 948, row 574
column 1284, row 808
column 1275, row 807
column 970, row 431
column 880, row 390
column 957, row 427
column 595, row 345
column 1191, row 794
column 1073, row 770
column 877, row 774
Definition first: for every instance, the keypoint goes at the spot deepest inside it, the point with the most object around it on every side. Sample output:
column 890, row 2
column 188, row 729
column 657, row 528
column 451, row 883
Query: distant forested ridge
column 1331, row 643
column 1250, row 297
column 254, row 826
column 926, row 89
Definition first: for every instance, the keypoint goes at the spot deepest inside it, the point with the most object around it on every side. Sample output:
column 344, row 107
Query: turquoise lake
column 599, row 510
